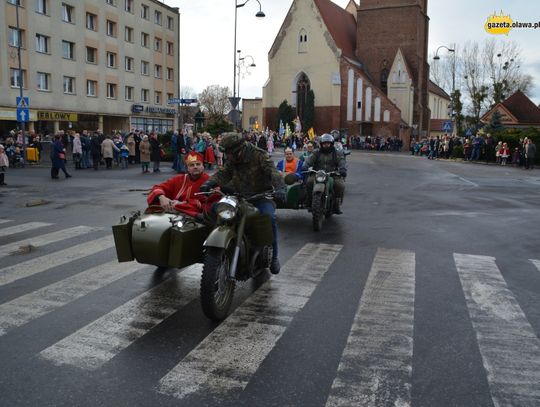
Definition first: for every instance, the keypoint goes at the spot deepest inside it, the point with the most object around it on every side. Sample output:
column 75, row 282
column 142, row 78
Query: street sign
column 234, row 101
column 23, row 102
column 468, row 133
column 447, row 127
column 23, row 115
column 181, row 101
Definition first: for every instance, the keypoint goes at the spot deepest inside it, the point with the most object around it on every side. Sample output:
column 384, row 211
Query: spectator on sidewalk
column 4, row 164
column 530, row 154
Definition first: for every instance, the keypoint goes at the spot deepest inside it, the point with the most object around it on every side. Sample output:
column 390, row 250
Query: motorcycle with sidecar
column 322, row 199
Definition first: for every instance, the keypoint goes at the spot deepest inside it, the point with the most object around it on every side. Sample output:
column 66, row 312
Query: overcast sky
column 207, row 36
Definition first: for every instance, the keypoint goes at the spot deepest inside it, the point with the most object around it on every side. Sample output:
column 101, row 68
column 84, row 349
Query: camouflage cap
column 230, row 142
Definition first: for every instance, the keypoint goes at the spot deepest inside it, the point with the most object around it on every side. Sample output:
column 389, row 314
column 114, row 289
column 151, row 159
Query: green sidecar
column 296, row 193
column 162, row 239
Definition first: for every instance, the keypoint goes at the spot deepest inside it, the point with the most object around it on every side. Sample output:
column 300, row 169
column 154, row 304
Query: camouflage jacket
column 333, row 161
column 256, row 173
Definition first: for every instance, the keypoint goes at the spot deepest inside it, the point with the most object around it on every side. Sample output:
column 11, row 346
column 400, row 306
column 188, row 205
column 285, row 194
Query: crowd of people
column 478, row 148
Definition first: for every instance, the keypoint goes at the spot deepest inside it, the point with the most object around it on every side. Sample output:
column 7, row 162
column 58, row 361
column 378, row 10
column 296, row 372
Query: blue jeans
column 475, row 156
column 267, row 208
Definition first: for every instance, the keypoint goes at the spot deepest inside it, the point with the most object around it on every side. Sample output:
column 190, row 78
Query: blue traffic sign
column 23, row 102
column 468, row 133
column 174, row 101
column 181, row 101
column 447, row 126
column 23, row 115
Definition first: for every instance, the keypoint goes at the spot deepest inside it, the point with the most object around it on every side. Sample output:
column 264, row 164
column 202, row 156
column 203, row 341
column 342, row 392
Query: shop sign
column 48, row 115
column 162, row 110
column 137, row 108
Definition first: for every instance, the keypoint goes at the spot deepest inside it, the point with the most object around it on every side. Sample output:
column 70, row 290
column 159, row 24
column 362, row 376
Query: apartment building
column 90, row 64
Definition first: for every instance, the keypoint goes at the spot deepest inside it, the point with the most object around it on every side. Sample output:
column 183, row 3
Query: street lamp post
column 19, row 40
column 234, row 100
column 241, row 64
column 436, row 58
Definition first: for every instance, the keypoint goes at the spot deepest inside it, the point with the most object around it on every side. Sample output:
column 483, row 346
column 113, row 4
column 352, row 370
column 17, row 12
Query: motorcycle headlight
column 227, row 208
column 320, row 177
column 178, row 221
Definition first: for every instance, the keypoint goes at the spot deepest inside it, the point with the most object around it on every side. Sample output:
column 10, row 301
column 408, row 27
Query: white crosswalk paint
column 508, row 344
column 24, row 227
column 24, row 309
column 226, row 359
column 4, row 221
column 536, row 263
column 98, row 342
column 376, row 365
column 39, row 264
column 48, row 238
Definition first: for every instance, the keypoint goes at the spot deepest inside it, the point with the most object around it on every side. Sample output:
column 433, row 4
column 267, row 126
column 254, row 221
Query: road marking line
column 376, row 365
column 24, row 227
column 536, row 263
column 470, row 182
column 39, row 264
column 5, row 221
column 48, row 238
column 225, row 360
column 24, row 309
column 98, row 342
column 508, row 344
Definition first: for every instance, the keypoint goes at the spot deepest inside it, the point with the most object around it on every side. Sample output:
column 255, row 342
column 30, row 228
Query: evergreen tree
column 495, row 125
column 458, row 111
column 285, row 114
column 309, row 112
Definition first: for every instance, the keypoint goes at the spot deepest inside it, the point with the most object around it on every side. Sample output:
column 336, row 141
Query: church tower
column 384, row 26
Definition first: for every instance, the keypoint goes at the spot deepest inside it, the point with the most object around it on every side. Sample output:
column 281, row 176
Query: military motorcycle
column 238, row 248
column 161, row 238
column 322, row 200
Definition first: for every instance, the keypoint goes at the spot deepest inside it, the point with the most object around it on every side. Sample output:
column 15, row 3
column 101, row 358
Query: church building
column 366, row 64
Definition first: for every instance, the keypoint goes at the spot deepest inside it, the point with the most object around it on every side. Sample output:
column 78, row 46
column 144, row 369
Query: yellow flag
column 311, row 133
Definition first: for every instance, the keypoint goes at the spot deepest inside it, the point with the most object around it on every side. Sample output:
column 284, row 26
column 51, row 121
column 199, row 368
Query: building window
column 170, row 48
column 91, row 55
column 91, row 88
column 68, row 13
column 145, row 38
column 42, row 6
column 157, row 98
column 157, row 44
column 144, row 95
column 157, row 71
column 111, row 2
column 91, row 21
column 111, row 91
column 42, row 43
column 157, row 17
column 15, row 78
column 111, row 60
column 43, row 81
column 170, row 74
column 169, row 96
column 129, row 34
column 68, row 50
column 129, row 6
column 128, row 63
column 16, row 37
column 170, row 23
column 111, row 28
column 144, row 68
column 302, row 41
column 15, row 2
column 145, row 11
column 129, row 93
column 69, row 85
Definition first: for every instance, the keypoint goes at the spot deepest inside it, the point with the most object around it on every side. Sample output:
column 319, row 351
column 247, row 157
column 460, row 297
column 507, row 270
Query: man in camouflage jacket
column 249, row 170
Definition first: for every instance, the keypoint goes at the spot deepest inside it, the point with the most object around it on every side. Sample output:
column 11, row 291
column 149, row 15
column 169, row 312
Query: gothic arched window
column 302, row 88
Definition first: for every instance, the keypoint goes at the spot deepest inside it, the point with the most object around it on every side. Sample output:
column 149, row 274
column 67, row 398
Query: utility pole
column 19, row 40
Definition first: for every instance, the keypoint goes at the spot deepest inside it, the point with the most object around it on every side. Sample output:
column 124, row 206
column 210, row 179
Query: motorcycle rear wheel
column 317, row 212
column 217, row 290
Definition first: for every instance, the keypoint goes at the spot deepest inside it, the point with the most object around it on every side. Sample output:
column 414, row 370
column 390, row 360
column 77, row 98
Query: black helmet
column 326, row 138
column 231, row 142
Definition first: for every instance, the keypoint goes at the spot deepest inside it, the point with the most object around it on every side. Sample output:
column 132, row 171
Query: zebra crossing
column 376, row 364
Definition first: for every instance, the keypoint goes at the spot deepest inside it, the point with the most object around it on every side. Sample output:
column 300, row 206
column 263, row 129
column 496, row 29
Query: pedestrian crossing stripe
column 508, row 345
column 25, row 227
column 4, row 221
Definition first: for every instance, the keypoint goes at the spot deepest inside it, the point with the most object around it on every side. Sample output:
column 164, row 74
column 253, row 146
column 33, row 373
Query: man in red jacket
column 178, row 193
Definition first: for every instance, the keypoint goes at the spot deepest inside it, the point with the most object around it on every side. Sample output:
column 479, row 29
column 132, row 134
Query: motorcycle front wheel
column 317, row 211
column 217, row 290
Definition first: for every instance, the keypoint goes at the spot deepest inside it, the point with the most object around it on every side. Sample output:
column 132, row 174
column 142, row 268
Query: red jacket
column 182, row 188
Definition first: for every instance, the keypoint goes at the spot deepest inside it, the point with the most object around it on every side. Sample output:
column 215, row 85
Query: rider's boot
column 275, row 266
column 337, row 207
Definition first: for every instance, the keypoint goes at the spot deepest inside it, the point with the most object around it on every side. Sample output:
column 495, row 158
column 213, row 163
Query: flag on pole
column 311, row 133
column 281, row 128
column 297, row 124
column 287, row 131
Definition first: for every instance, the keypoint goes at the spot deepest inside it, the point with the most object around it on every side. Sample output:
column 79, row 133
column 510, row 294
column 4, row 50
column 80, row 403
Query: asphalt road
column 425, row 292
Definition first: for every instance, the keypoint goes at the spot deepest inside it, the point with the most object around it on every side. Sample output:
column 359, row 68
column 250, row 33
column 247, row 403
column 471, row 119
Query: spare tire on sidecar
column 160, row 238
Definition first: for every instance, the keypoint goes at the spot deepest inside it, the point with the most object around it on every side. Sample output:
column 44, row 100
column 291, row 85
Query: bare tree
column 187, row 92
column 215, row 102
column 475, row 76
